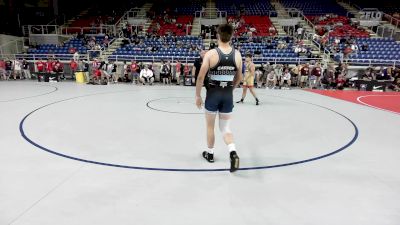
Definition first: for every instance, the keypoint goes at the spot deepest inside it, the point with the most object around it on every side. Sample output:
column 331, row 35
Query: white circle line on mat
column 366, row 104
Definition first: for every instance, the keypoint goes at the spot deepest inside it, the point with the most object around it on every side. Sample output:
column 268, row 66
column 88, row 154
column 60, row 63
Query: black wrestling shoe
column 241, row 101
column 257, row 101
column 208, row 156
column 234, row 161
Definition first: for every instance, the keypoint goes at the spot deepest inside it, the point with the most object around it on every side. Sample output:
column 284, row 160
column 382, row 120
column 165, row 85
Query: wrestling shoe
column 234, row 161
column 241, row 101
column 257, row 101
column 208, row 156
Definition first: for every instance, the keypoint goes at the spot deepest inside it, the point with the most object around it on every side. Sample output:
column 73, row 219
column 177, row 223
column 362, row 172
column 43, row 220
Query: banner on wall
column 370, row 14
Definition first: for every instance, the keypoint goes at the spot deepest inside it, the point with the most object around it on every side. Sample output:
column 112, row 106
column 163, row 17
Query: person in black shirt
column 25, row 68
column 9, row 68
column 196, row 66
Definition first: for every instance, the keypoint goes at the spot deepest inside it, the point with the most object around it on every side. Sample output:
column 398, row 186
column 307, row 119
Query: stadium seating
column 252, row 7
column 343, row 30
column 271, row 53
column 315, row 7
column 261, row 23
column 189, row 7
column 130, row 52
column 166, row 27
column 378, row 49
column 65, row 51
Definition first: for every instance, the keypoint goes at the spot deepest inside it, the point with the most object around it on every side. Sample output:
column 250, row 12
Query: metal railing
column 372, row 62
column 394, row 21
column 102, row 29
column 41, row 29
column 203, row 14
column 36, row 57
column 189, row 59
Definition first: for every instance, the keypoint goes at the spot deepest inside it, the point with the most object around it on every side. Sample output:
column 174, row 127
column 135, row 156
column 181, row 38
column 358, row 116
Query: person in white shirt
column 76, row 56
column 259, row 75
column 146, row 75
column 354, row 47
column 286, row 79
column 17, row 69
column 271, row 79
column 300, row 32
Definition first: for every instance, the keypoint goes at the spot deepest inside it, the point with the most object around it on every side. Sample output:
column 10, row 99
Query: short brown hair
column 225, row 32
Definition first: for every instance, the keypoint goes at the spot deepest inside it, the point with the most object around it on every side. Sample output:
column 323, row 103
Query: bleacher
column 315, row 7
column 132, row 51
column 189, row 7
column 270, row 52
column 65, row 51
column 379, row 49
column 252, row 7
column 172, row 27
column 342, row 30
column 261, row 23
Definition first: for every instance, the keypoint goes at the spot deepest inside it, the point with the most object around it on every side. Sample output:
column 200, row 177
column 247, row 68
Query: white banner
column 371, row 15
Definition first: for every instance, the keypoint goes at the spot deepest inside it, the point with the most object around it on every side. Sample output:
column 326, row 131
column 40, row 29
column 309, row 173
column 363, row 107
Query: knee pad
column 225, row 126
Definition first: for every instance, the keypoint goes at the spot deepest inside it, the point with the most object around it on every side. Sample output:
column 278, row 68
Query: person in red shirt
column 58, row 68
column 3, row 69
column 40, row 65
column 49, row 66
column 97, row 75
column 340, row 81
column 74, row 67
column 317, row 72
column 134, row 71
column 305, row 71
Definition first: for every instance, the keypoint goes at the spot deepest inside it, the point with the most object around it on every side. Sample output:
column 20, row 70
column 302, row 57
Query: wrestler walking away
column 223, row 66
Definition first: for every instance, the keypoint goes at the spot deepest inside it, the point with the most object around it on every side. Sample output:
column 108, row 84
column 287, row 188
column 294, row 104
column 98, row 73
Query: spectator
column 304, row 72
column 196, row 67
column 74, row 67
column 396, row 84
column 178, row 72
column 126, row 72
column 258, row 75
column 340, row 82
column 3, row 69
column 271, row 80
column 300, row 32
column 58, row 68
column 40, row 68
column 383, row 75
column 17, row 69
column 135, row 72
column 186, row 70
column 364, row 47
column 9, row 68
column 26, row 69
column 317, row 72
column 146, row 76
column 164, row 72
column 286, row 78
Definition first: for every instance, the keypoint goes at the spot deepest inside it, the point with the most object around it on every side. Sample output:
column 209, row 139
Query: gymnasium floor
column 125, row 154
